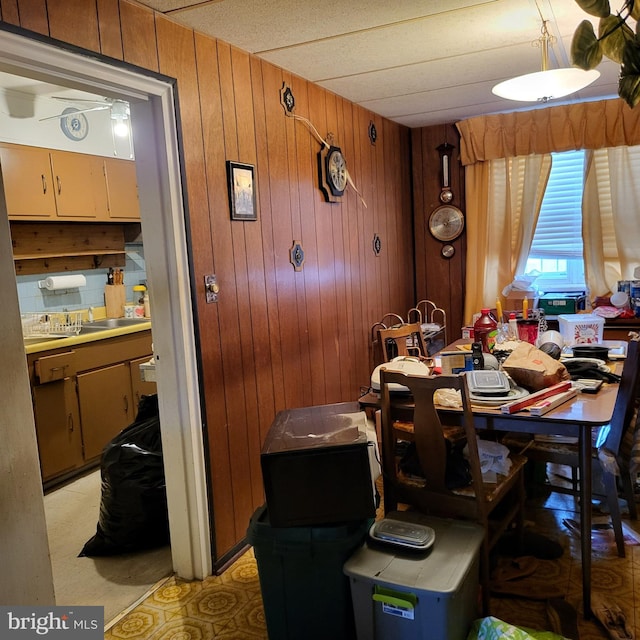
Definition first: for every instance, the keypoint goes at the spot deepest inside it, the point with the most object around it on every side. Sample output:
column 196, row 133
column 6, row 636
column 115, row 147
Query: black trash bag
column 133, row 509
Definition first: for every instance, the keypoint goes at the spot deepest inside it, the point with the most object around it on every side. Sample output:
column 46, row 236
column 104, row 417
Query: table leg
column 585, row 516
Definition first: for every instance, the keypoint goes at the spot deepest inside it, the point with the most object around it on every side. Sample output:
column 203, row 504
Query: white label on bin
column 401, row 612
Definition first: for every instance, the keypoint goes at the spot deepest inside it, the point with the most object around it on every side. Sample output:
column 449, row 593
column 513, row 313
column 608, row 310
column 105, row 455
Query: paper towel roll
column 54, row 283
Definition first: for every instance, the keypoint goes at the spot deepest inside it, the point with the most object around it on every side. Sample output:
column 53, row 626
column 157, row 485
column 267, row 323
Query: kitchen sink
column 110, row 323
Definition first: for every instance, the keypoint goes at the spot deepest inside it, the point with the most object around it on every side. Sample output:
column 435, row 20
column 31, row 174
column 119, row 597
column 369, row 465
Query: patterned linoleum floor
column 229, row 606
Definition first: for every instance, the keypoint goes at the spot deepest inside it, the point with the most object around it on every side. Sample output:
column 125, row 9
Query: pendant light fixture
column 547, row 84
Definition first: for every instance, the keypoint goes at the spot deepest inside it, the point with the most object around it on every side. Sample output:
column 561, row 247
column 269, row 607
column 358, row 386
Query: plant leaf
column 597, row 8
column 629, row 83
column 614, row 33
column 586, row 51
column 635, row 10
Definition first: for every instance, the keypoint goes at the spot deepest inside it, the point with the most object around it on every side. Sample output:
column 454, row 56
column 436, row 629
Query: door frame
column 162, row 202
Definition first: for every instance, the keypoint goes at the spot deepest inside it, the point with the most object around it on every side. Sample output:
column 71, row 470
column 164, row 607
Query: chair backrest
column 623, row 411
column 431, row 449
column 405, row 340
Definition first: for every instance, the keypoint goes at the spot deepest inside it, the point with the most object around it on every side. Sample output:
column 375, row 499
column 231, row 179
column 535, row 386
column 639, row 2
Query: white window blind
column 559, row 230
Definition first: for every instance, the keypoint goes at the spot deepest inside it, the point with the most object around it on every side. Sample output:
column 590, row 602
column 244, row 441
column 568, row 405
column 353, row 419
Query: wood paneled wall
column 277, row 338
column 437, row 278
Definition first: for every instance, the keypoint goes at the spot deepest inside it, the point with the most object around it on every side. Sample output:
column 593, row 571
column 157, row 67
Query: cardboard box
column 581, row 328
column 440, row 588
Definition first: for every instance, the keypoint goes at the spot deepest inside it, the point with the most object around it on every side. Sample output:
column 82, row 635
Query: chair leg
column 629, row 496
column 609, row 481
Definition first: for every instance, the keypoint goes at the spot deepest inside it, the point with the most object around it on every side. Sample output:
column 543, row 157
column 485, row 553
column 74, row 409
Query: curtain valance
column 587, row 125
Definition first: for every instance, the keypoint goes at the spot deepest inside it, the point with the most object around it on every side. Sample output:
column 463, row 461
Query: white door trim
column 166, row 257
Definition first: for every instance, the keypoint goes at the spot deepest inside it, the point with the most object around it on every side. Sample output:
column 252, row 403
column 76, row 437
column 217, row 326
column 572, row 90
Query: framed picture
column 242, row 193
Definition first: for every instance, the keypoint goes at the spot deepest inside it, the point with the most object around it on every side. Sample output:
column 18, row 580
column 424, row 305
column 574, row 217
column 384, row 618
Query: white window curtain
column 502, row 214
column 611, row 217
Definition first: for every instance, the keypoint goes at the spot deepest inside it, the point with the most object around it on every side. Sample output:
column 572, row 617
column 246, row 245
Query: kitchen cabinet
column 106, row 406
column 58, row 427
column 46, row 184
column 122, row 189
column 83, row 397
column 79, row 186
column 28, row 183
column 42, row 184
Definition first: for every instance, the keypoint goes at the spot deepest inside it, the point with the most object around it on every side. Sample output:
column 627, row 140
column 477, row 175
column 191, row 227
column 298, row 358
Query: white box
column 418, row 596
column 581, row 328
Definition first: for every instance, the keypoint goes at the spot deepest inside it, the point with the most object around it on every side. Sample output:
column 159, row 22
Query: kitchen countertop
column 44, row 344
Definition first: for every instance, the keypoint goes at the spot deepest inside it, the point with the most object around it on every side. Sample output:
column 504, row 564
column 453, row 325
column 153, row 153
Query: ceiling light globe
column 545, row 85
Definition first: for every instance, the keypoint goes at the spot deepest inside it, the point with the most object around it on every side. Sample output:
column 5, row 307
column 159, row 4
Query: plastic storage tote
column 304, row 590
column 418, row 596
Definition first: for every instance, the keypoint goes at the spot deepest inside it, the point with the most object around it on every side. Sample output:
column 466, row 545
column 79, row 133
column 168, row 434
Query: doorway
column 162, row 217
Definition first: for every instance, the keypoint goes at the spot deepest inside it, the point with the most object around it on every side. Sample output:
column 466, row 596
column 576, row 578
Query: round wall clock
column 74, row 125
column 336, row 171
column 446, row 223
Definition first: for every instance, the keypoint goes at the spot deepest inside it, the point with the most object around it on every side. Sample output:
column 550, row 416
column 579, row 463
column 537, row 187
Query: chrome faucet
column 90, row 314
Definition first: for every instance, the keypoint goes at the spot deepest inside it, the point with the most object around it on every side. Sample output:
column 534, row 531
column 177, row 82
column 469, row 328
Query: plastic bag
column 494, row 459
column 133, row 508
column 491, row 628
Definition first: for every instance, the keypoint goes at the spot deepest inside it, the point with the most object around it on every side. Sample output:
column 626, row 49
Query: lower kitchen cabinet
column 106, row 406
column 83, row 397
column 58, row 427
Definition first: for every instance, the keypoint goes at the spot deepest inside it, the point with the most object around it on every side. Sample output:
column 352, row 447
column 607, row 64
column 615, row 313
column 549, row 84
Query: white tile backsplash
column 34, row 299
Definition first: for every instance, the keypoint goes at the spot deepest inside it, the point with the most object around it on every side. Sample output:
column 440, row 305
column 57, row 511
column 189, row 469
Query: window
column 557, row 251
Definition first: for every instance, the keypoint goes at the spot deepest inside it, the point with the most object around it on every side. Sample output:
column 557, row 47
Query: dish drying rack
column 51, row 325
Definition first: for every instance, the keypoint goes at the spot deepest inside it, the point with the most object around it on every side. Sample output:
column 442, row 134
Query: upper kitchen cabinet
column 122, row 189
column 45, row 184
column 28, row 184
column 79, row 185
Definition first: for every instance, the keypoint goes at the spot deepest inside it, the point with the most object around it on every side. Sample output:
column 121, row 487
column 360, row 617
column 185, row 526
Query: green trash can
column 305, row 592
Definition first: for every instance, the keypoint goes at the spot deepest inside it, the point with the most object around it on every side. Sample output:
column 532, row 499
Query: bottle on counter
column 485, row 330
column 146, row 304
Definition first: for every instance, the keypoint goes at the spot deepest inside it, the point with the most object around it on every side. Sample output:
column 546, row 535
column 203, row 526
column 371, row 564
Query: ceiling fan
column 119, row 108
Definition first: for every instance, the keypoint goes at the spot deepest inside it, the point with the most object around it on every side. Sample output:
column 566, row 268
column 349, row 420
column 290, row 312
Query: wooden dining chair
column 377, row 351
column 495, row 505
column 609, row 456
column 403, row 340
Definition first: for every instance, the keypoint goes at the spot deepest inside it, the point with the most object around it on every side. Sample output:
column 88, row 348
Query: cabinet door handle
column 44, row 183
column 70, row 422
column 59, row 182
column 126, row 403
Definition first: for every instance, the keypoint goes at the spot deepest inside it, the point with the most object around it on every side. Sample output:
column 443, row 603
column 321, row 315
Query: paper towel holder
column 62, row 283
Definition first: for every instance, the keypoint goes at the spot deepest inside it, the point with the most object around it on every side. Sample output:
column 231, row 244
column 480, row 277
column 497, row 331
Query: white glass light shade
column 545, row 85
column 120, row 128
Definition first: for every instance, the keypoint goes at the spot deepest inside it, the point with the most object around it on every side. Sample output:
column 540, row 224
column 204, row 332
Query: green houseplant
column 615, row 39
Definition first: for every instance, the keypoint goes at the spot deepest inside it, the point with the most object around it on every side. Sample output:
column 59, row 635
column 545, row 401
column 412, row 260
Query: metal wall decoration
column 373, row 133
column 286, row 98
column 296, row 256
column 377, row 244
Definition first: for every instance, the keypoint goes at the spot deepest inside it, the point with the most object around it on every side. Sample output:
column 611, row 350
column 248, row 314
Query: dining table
column 577, row 417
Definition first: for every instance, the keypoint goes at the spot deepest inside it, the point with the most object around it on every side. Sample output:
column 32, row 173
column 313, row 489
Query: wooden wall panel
column 437, row 278
column 75, row 22
column 137, row 24
column 33, row 16
column 277, row 338
column 109, row 28
column 207, row 227
column 9, row 11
